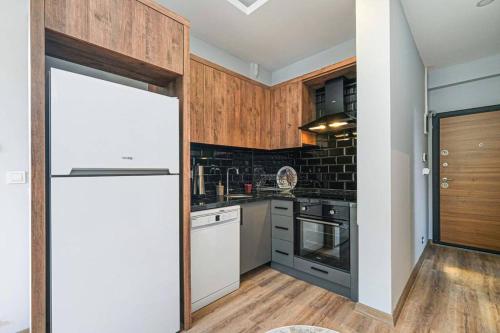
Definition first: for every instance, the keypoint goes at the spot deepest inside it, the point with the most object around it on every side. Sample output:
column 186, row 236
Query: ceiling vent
column 248, row 6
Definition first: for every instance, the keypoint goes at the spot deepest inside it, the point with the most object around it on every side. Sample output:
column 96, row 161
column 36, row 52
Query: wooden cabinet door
column 285, row 116
column 255, row 235
column 128, row 27
column 221, row 108
column 197, row 101
column 255, row 115
column 234, row 126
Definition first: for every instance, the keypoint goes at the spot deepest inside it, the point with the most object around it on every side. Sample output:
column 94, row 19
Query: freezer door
column 96, row 124
column 114, row 250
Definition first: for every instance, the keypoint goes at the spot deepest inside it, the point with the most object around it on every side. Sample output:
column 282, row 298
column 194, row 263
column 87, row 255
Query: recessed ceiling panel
column 248, row 3
column 248, row 6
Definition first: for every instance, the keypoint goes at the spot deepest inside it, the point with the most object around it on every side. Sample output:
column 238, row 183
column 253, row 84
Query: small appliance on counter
column 199, row 180
column 219, row 189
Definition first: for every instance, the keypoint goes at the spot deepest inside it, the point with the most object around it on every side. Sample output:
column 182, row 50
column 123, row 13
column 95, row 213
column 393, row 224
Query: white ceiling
column 276, row 34
column 453, row 31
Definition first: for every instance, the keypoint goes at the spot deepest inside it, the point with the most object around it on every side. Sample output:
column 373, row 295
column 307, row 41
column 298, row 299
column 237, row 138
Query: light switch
column 15, row 177
column 426, row 171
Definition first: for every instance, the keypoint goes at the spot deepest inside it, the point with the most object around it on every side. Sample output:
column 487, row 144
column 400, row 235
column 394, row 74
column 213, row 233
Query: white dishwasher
column 215, row 254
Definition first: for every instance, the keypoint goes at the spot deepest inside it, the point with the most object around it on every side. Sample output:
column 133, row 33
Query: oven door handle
column 318, row 221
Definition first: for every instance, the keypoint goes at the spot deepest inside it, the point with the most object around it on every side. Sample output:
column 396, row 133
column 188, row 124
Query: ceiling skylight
column 248, row 6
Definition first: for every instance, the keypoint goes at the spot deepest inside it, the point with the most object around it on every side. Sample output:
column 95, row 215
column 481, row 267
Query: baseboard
column 374, row 313
column 385, row 317
column 409, row 284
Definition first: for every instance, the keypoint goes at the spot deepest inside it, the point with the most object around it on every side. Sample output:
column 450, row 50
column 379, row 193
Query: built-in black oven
column 322, row 233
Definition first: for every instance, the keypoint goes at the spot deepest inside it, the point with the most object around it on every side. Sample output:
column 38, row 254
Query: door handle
column 319, row 270
column 281, row 228
column 445, row 179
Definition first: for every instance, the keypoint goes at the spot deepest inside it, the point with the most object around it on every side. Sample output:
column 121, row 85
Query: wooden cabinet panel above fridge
column 131, row 28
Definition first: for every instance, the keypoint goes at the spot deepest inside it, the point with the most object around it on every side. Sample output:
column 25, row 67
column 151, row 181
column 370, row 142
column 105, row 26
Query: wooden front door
column 469, row 184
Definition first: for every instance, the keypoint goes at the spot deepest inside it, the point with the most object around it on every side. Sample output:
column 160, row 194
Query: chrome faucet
column 227, row 178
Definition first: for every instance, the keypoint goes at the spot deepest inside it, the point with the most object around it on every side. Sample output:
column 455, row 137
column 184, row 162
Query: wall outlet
column 15, row 177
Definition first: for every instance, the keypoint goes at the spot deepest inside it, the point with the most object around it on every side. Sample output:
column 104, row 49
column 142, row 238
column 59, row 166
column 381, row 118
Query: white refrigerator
column 114, row 208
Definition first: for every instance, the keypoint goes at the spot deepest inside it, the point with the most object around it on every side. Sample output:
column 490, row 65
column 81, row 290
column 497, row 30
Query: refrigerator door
column 96, row 124
column 115, row 254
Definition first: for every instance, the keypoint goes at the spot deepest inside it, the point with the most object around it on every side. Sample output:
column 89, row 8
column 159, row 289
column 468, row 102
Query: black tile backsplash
column 330, row 165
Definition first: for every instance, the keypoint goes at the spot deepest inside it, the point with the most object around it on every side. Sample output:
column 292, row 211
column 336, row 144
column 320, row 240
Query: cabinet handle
column 282, row 208
column 281, row 228
column 281, row 252
column 319, row 270
column 241, row 216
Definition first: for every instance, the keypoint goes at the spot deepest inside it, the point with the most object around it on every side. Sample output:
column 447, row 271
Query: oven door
column 323, row 242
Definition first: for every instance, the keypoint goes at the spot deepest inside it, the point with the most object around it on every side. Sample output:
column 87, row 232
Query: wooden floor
column 455, row 291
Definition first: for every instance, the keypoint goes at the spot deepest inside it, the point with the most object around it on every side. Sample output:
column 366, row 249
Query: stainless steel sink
column 238, row 196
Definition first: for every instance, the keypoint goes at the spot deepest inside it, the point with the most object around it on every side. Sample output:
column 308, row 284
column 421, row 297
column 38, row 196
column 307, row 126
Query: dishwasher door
column 215, row 255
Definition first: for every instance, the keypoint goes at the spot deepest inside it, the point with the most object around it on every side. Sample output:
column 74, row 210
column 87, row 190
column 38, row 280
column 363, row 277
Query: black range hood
column 335, row 108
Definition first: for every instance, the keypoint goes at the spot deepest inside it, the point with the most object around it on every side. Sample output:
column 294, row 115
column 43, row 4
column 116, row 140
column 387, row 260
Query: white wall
column 374, row 153
column 14, row 155
column 327, row 57
column 463, row 86
column 319, row 60
column 227, row 60
column 408, row 142
column 474, row 70
column 390, row 141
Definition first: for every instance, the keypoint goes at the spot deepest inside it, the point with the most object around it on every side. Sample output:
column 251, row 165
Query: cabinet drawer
column 282, row 227
column 322, row 272
column 282, row 207
column 282, row 252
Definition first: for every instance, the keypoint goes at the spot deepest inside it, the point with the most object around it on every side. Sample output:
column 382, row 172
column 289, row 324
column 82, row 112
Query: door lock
column 445, row 152
column 444, row 182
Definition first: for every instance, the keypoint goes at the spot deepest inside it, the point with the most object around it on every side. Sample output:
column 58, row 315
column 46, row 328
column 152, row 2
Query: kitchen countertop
column 211, row 202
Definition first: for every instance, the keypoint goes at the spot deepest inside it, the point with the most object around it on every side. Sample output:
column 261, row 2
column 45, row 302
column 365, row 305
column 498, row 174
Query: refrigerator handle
column 89, row 172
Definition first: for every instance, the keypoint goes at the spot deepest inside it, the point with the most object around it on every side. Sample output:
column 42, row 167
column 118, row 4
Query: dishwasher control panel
column 212, row 216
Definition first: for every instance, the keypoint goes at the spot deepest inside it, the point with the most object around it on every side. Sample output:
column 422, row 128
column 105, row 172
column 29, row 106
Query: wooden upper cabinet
column 128, row 27
column 286, row 117
column 255, row 116
column 228, row 110
column 197, row 103
column 222, row 104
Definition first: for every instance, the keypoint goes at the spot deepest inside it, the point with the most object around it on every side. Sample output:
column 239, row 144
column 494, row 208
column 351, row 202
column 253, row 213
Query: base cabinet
column 255, row 235
column 282, row 232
